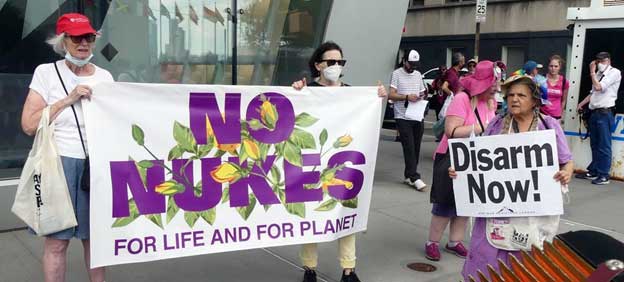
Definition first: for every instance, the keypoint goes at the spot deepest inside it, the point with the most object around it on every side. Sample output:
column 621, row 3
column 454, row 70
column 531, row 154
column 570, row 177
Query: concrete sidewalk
column 397, row 229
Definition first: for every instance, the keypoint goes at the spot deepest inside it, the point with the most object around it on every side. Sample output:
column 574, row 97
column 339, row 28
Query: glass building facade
column 158, row 41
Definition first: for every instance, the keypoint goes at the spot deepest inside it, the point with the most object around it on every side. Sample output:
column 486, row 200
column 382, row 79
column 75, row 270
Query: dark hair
column 457, row 56
column 317, row 56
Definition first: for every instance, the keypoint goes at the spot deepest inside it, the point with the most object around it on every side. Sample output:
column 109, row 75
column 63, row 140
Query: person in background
column 605, row 85
column 524, row 99
column 437, row 100
column 471, row 65
column 406, row 86
column 557, row 89
column 471, row 109
column 75, row 41
column 326, row 66
column 450, row 83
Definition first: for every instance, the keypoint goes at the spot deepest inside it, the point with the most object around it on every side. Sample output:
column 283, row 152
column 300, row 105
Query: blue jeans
column 600, row 124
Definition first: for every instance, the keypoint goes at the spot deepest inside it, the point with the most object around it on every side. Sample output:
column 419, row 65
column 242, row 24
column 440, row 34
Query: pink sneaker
column 459, row 250
column 432, row 252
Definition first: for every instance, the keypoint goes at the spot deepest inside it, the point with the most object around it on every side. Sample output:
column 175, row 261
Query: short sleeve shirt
column 405, row 84
column 47, row 84
column 452, row 77
column 461, row 107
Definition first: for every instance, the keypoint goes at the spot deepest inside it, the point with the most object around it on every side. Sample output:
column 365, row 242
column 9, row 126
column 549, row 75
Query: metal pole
column 234, row 43
column 477, row 35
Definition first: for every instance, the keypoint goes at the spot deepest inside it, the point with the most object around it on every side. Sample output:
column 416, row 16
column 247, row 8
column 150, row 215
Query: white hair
column 57, row 43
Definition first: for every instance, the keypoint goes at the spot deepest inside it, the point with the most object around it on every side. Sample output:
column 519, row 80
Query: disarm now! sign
column 506, row 175
column 181, row 170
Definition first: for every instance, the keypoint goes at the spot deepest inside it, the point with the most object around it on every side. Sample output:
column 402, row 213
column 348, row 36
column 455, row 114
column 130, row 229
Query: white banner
column 181, row 170
column 481, row 11
column 506, row 175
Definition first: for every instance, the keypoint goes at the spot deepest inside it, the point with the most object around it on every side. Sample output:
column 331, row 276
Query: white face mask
column 602, row 67
column 332, row 73
column 76, row 61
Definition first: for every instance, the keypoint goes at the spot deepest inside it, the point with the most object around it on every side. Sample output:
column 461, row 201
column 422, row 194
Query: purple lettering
column 340, row 192
column 226, row 128
column 284, row 125
column 296, row 178
column 210, row 192
column 239, row 192
column 124, row 175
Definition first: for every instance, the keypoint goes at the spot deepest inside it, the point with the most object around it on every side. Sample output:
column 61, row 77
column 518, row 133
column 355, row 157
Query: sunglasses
column 78, row 38
column 333, row 62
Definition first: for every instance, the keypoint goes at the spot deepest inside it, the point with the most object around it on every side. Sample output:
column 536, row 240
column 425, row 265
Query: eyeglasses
column 78, row 38
column 333, row 62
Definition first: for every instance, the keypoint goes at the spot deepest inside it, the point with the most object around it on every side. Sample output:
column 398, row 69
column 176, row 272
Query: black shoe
column 587, row 175
column 352, row 277
column 309, row 275
column 600, row 180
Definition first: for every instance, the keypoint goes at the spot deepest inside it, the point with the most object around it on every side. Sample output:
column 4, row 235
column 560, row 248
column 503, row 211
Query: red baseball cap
column 74, row 24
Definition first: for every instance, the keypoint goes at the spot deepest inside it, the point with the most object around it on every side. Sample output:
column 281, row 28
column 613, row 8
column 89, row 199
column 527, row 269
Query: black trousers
column 411, row 133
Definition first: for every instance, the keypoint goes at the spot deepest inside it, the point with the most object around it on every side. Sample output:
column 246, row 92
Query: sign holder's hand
column 299, row 84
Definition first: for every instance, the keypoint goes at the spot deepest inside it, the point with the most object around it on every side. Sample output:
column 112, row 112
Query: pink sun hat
column 484, row 76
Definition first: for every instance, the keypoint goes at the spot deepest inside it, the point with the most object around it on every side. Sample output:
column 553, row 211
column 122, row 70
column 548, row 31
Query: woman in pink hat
column 62, row 85
column 470, row 111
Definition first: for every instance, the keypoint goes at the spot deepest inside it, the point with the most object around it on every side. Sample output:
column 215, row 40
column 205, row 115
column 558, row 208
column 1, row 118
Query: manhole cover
column 422, row 267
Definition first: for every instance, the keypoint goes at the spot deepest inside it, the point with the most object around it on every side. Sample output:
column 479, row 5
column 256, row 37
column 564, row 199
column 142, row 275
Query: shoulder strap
column 73, row 110
column 543, row 121
column 479, row 119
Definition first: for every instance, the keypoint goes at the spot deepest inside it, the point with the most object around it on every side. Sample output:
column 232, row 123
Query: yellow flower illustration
column 168, row 188
column 268, row 113
column 252, row 150
column 230, row 148
column 336, row 181
column 343, row 141
column 226, row 172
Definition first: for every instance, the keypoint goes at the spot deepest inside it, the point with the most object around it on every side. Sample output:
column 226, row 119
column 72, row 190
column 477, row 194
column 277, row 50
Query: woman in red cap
column 470, row 112
column 62, row 85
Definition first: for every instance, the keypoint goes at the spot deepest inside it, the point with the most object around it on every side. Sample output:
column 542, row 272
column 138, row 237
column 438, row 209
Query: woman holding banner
column 62, row 85
column 524, row 100
column 326, row 66
column 470, row 111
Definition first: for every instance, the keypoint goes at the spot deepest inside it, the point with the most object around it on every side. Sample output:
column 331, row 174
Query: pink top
column 460, row 107
column 555, row 92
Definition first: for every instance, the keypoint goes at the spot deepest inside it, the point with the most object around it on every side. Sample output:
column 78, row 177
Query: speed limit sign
column 481, row 11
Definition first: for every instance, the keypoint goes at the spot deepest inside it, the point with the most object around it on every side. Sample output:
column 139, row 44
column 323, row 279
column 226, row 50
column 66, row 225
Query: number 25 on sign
column 481, row 11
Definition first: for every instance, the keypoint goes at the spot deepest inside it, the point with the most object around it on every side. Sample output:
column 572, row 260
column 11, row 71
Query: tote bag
column 42, row 200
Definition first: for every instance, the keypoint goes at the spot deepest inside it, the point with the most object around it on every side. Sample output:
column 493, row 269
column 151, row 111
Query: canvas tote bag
column 42, row 200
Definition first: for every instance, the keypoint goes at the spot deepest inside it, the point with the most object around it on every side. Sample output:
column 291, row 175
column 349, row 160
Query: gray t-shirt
column 406, row 83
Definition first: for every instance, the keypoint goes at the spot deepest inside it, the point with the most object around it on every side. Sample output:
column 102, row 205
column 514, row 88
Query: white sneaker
column 408, row 182
column 420, row 185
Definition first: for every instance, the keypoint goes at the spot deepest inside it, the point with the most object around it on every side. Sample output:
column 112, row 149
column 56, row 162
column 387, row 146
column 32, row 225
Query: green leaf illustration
column 353, row 203
column 209, row 216
column 255, row 124
column 279, row 148
column 275, row 174
column 198, row 189
column 225, row 197
column 142, row 173
column 305, row 120
column 297, row 209
column 302, row 138
column 156, row 219
column 204, row 150
column 219, row 153
column 175, row 153
column 138, row 135
column 172, row 209
column 323, row 137
column 134, row 214
column 191, row 218
column 327, row 205
column 184, row 137
column 264, row 150
column 292, row 153
column 145, row 164
column 245, row 212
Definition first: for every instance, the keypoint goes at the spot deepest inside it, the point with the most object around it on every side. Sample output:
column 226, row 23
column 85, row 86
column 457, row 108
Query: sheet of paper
column 416, row 110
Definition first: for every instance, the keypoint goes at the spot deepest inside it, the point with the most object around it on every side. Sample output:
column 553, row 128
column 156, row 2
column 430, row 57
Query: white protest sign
column 182, row 170
column 481, row 11
column 506, row 175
